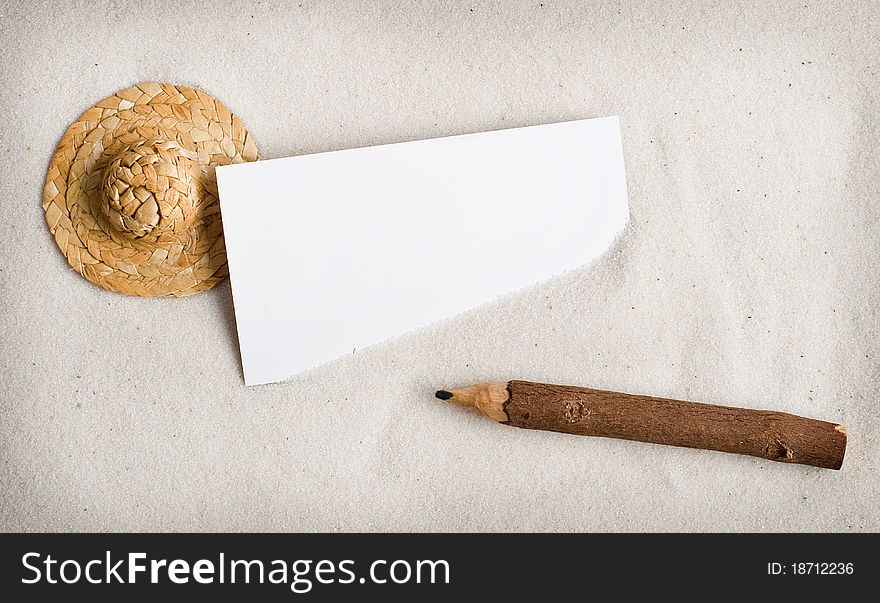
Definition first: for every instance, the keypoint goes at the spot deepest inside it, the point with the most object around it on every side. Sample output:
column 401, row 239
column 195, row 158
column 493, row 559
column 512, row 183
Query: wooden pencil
column 776, row 436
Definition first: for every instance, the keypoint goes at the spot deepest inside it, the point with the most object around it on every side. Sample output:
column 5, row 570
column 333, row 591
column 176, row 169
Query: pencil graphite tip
column 443, row 394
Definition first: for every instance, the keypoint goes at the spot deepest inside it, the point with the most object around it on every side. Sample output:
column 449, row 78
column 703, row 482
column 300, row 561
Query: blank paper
column 333, row 252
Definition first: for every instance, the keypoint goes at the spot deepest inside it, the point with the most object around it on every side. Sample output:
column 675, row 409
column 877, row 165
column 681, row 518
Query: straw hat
column 131, row 195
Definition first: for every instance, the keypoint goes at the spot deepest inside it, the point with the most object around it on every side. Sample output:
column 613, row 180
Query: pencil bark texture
column 775, row 436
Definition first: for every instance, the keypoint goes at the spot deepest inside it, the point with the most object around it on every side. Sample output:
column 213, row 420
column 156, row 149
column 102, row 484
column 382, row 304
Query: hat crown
column 149, row 190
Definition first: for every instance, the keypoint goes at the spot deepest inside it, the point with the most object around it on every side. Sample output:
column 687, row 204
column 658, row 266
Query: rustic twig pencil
column 776, row 436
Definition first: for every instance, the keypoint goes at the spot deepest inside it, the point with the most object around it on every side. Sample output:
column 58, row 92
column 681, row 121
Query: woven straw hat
column 131, row 195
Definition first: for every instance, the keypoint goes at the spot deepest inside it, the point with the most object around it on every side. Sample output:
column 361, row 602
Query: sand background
column 748, row 274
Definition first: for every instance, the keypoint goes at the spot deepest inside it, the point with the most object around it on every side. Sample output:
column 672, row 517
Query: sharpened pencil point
column 486, row 398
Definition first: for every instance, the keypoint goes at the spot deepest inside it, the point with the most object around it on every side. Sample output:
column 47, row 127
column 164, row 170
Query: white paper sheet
column 333, row 252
